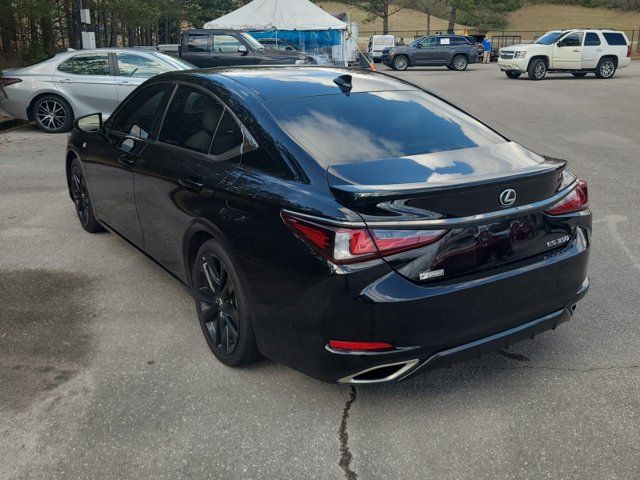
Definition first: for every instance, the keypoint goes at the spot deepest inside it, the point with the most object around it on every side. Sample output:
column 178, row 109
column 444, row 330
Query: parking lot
column 104, row 372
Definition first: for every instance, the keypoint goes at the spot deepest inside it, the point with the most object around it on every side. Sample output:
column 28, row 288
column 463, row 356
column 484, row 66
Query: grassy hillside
column 405, row 23
column 548, row 17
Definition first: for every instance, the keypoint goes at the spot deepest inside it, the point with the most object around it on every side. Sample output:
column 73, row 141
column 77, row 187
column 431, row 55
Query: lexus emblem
column 508, row 197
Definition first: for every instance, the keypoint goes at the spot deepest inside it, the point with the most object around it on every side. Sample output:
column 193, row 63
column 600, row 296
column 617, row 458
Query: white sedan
column 72, row 84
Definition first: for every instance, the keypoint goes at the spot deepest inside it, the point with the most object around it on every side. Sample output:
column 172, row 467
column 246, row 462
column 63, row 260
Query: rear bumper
column 431, row 326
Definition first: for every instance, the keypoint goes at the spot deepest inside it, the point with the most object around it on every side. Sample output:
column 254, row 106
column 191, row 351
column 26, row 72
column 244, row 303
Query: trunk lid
column 454, row 191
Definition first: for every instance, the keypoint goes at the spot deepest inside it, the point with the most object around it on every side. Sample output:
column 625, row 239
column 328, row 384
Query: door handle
column 577, row 50
column 599, row 49
column 125, row 82
column 191, row 183
column 65, row 80
column 127, row 160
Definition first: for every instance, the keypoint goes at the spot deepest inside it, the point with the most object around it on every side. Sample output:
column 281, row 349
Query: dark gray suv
column 455, row 52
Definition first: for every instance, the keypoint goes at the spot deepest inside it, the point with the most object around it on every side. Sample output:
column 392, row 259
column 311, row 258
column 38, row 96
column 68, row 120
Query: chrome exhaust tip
column 380, row 373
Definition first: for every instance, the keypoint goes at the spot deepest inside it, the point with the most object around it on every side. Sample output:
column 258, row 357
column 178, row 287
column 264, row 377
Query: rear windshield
column 614, row 38
column 368, row 126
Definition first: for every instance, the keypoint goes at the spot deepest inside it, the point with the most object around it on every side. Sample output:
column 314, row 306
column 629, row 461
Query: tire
column 52, row 114
column 606, row 68
column 400, row 63
column 81, row 198
column 537, row 69
column 459, row 62
column 223, row 309
column 512, row 74
column 579, row 74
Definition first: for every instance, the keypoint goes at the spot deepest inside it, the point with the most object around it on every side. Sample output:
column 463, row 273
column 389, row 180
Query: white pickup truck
column 572, row 51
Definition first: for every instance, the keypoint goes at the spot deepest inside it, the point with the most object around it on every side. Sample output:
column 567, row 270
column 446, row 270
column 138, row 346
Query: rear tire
column 606, row 68
column 81, row 199
column 400, row 63
column 459, row 63
column 513, row 74
column 223, row 309
column 52, row 114
column 537, row 69
column 579, row 74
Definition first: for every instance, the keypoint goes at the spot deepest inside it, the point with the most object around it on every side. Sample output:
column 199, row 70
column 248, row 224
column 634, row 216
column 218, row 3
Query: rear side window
column 198, row 43
column 228, row 136
column 92, row 64
column 459, row 41
column 591, row 40
column 337, row 129
column 191, row 120
column 137, row 117
column 136, row 66
column 614, row 38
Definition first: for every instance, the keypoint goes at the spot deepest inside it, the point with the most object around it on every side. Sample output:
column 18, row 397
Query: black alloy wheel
column 222, row 307
column 81, row 199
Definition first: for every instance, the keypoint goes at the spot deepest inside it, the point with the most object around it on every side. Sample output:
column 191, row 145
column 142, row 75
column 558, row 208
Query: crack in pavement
column 345, row 452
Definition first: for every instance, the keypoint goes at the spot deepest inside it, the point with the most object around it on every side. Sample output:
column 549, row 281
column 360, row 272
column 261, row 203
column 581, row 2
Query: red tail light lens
column 576, row 201
column 351, row 245
column 9, row 81
column 359, row 346
column 628, row 50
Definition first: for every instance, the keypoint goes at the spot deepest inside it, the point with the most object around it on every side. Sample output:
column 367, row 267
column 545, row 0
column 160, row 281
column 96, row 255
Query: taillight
column 359, row 346
column 9, row 81
column 576, row 201
column 351, row 245
column 628, row 50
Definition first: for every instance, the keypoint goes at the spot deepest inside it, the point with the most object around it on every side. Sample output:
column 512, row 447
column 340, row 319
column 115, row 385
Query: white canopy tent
column 282, row 16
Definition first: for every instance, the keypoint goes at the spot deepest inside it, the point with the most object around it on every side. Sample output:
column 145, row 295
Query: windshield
column 252, row 41
column 549, row 38
column 361, row 127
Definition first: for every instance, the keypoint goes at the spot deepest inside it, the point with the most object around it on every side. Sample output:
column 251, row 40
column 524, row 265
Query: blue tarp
column 304, row 40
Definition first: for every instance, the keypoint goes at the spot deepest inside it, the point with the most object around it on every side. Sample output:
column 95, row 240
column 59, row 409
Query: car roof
column 276, row 83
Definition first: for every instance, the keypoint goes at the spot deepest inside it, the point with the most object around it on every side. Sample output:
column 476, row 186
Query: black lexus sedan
column 342, row 222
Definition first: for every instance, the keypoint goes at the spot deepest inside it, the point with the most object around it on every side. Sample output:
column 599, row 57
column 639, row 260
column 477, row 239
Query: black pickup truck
column 219, row 48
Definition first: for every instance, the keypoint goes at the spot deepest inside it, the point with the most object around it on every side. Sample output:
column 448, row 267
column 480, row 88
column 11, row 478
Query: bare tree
column 380, row 9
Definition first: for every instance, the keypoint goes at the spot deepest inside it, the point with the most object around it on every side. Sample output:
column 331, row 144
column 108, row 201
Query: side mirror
column 89, row 123
column 560, row 43
column 418, row 45
column 242, row 49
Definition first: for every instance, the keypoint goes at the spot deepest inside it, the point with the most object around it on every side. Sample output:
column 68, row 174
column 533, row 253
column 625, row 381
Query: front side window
column 137, row 117
column 572, row 40
column 191, row 120
column 88, row 64
column 591, row 40
column 198, row 43
column 225, row 44
column 137, row 66
column 428, row 42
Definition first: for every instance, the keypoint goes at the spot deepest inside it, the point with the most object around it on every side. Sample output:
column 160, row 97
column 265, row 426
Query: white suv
column 573, row 51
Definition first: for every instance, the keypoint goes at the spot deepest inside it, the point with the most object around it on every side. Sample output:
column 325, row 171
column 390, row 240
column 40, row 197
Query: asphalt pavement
column 104, row 372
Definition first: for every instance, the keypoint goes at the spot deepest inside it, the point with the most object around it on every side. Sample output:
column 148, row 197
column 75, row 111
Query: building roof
column 278, row 15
